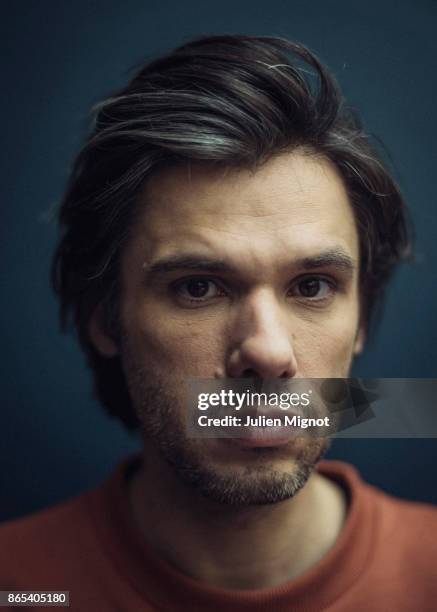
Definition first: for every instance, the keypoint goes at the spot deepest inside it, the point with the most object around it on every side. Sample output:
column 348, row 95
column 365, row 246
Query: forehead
column 295, row 204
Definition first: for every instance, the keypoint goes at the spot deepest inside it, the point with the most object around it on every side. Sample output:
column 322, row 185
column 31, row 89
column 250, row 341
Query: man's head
column 227, row 217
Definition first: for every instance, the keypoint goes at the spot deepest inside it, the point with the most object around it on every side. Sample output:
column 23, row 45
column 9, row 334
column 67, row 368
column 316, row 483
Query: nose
column 262, row 346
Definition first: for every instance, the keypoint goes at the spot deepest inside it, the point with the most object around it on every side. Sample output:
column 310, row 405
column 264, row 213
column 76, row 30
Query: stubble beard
column 255, row 482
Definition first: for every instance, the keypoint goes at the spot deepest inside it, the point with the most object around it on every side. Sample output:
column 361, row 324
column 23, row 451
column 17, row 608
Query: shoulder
column 46, row 542
column 393, row 539
column 36, row 526
column 407, row 525
column 403, row 560
column 402, row 524
column 66, row 542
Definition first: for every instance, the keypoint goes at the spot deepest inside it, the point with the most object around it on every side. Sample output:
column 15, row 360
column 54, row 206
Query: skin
column 220, row 511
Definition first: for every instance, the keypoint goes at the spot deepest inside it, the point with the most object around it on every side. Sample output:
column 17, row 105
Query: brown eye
column 310, row 287
column 314, row 289
column 197, row 288
column 197, row 291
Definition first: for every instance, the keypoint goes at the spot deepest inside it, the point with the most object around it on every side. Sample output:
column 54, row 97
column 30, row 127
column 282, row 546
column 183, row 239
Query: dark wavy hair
column 231, row 100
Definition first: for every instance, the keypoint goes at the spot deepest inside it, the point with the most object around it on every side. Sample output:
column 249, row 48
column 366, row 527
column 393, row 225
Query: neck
column 235, row 547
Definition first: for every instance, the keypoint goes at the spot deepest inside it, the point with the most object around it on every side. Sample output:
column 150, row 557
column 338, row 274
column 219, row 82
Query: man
column 227, row 218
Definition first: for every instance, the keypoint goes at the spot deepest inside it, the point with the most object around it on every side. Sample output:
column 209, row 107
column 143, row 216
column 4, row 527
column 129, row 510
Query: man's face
column 231, row 274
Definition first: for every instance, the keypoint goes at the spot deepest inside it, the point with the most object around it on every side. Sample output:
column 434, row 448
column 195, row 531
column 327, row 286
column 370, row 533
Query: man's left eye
column 313, row 288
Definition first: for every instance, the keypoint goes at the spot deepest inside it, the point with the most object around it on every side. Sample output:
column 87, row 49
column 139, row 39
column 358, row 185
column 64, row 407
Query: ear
column 360, row 339
column 101, row 340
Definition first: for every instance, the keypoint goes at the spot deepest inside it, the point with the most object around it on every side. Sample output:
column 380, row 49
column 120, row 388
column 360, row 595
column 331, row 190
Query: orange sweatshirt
column 385, row 559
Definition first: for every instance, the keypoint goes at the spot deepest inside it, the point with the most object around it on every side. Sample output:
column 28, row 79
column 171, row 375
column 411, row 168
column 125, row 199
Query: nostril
column 256, row 380
column 249, row 373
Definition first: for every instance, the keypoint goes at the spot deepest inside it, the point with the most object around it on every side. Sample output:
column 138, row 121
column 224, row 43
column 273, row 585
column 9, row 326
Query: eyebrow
column 335, row 257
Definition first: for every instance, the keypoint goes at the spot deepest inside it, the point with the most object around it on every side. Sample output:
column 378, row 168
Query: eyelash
column 177, row 287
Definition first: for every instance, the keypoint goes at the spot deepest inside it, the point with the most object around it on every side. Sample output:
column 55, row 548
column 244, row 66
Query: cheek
column 187, row 348
column 326, row 351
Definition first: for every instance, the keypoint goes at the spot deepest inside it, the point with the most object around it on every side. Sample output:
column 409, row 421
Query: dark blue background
column 58, row 58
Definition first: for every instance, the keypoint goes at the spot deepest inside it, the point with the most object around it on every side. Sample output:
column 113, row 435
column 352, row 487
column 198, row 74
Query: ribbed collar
column 166, row 588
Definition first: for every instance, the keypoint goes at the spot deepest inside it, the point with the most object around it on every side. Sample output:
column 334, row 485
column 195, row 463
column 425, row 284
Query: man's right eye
column 197, row 290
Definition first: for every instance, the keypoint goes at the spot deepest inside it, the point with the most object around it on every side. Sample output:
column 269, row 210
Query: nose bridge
column 262, row 315
column 264, row 343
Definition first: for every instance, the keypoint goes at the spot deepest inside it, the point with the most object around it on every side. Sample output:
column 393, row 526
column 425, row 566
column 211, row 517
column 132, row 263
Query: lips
column 261, row 433
column 259, row 442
